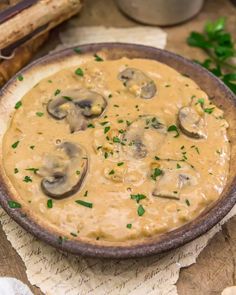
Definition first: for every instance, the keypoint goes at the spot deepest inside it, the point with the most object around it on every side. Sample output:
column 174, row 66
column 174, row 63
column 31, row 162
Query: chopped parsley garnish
column 111, row 172
column 168, row 85
column 85, row 194
column 106, row 129
column 116, row 106
column 104, row 123
column 120, row 163
column 106, row 155
column 110, row 95
column 73, row 234
column 182, row 147
column 67, row 98
column 15, row 144
column 32, row 147
column 90, row 125
column 120, row 121
column 79, row 72
column 178, row 166
column 77, row 172
column 140, row 210
column 156, row 172
column 58, row 91
column 49, row 81
column 173, row 128
column 39, row 114
column 13, row 204
column 27, row 179
column 209, row 110
column 201, row 101
column 116, row 139
column 49, row 203
column 20, row 77
column 187, row 202
column 18, row 104
column 85, row 204
column 97, row 58
column 16, row 170
column 129, row 225
column 138, row 197
column 77, row 50
column 128, row 123
column 157, row 158
column 32, row 169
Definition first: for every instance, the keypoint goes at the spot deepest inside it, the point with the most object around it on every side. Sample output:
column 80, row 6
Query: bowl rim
column 170, row 240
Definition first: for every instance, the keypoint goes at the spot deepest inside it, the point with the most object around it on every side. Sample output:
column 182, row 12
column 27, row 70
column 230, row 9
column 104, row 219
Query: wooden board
column 216, row 265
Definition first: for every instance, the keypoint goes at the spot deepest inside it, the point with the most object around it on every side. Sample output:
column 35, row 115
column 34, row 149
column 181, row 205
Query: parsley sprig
column 217, row 43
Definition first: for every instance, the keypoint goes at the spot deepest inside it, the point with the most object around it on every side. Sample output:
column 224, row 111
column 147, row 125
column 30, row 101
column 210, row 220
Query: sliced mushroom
column 64, row 173
column 138, row 82
column 172, row 181
column 77, row 106
column 144, row 135
column 191, row 123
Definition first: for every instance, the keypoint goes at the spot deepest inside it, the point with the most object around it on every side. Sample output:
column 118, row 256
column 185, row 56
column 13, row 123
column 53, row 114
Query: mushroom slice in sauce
column 191, row 123
column 65, row 172
column 77, row 106
column 171, row 183
column 144, row 135
column 138, row 82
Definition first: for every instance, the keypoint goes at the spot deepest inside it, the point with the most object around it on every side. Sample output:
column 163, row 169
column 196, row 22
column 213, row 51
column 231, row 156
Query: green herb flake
column 13, row 204
column 178, row 166
column 79, row 72
column 20, row 78
column 49, row 203
column 90, row 125
column 77, row 50
column 49, row 81
column 97, row 58
column 120, row 121
column 15, row 144
column 32, row 147
column 138, row 197
column 67, row 98
column 85, row 204
column 140, row 210
column 27, row 179
column 128, row 123
column 86, row 194
column 106, row 155
column 209, row 110
column 173, row 128
column 32, row 169
column 18, row 105
column 39, row 114
column 129, row 225
column 106, row 129
column 116, row 139
column 187, row 202
column 61, row 239
column 58, row 91
column 110, row 95
column 16, row 170
column 104, row 123
column 120, row 163
column 156, row 172
column 116, row 106
column 201, row 101
column 73, row 234
column 77, row 172
column 111, row 172
column 157, row 158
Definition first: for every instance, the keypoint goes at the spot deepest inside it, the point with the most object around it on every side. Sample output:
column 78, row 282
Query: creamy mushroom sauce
column 144, row 172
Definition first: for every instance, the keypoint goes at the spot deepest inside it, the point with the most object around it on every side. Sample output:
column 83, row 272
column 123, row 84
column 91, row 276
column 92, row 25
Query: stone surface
column 215, row 267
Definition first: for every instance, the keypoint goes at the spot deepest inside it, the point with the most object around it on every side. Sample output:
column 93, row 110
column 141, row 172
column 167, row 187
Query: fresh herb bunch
column 219, row 46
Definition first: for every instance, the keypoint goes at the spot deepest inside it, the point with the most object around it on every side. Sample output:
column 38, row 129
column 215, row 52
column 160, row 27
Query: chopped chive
column 85, row 204
column 18, row 105
column 20, row 77
column 73, row 234
column 32, row 169
column 97, row 57
column 140, row 210
column 79, row 72
column 173, row 128
column 116, row 106
column 15, row 144
column 120, row 163
column 27, row 179
column 49, row 203
column 104, row 123
column 120, row 121
column 58, row 91
column 67, row 98
column 39, row 114
column 129, row 225
column 138, row 197
column 106, row 129
column 13, row 204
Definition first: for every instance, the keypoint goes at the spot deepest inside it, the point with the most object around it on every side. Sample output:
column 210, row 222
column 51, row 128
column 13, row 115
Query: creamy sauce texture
column 148, row 156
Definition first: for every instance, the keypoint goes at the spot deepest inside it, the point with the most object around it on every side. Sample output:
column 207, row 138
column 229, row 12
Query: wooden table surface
column 215, row 268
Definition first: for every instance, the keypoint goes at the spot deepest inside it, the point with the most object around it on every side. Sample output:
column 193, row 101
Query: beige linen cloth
column 57, row 273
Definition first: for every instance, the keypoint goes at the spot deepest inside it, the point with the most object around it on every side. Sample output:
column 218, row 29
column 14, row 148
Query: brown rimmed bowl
column 216, row 90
